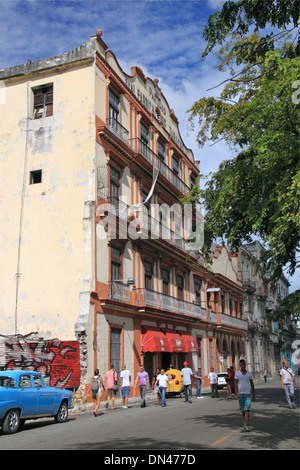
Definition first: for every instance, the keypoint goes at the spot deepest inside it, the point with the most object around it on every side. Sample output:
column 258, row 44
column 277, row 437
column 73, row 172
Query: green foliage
column 289, row 308
column 239, row 16
column 257, row 192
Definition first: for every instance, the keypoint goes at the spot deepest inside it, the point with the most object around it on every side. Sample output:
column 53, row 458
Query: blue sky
column 163, row 37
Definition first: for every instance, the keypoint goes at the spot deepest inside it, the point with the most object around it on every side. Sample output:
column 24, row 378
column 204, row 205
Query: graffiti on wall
column 57, row 361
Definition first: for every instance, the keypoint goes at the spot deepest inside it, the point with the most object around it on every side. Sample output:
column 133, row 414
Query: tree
column 257, row 114
column 237, row 17
column 289, row 308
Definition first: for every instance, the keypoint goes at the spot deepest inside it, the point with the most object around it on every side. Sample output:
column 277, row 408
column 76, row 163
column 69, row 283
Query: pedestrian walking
column 228, row 382
column 95, row 390
column 265, row 375
column 187, row 375
column 213, row 380
column 232, row 382
column 142, row 380
column 125, row 379
column 288, row 384
column 199, row 378
column 110, row 380
column 155, row 388
column 243, row 382
column 162, row 380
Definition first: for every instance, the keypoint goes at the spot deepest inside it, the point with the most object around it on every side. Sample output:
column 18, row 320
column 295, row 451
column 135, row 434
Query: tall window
column 192, row 181
column 144, row 141
column 179, row 287
column 211, row 361
column 199, row 341
column 175, row 166
column 43, row 102
column 148, row 268
column 222, row 303
column 198, row 293
column 114, row 109
column 116, row 263
column 144, row 214
column 166, row 281
column 114, row 183
column 161, row 156
column 161, row 151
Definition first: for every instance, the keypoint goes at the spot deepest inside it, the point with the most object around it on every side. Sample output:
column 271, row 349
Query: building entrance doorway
column 148, row 364
column 165, row 360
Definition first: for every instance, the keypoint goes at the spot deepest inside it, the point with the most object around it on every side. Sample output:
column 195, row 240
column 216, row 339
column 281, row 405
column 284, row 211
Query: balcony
column 149, row 227
column 234, row 322
column 148, row 298
column 249, row 285
column 142, row 149
column 119, row 135
column 119, row 291
column 158, row 230
column 118, row 130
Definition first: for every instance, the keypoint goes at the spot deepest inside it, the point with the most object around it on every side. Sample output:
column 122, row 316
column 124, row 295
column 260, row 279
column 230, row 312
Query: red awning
column 190, row 343
column 154, row 340
column 175, row 340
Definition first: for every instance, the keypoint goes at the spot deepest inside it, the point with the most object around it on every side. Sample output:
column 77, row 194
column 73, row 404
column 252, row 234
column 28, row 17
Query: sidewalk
column 151, row 398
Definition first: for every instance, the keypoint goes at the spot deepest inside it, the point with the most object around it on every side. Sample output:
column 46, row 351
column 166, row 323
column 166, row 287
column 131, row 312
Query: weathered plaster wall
column 56, row 237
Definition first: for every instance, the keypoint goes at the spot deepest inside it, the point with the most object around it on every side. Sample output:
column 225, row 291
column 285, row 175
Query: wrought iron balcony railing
column 119, row 291
column 118, row 130
column 142, row 149
column 145, row 297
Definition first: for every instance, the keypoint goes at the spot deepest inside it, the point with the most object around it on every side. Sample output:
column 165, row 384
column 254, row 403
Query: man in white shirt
column 187, row 375
column 243, row 382
column 125, row 377
column 162, row 380
column 288, row 384
column 213, row 380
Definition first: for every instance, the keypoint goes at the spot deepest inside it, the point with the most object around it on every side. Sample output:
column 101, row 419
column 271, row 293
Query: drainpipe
column 18, row 274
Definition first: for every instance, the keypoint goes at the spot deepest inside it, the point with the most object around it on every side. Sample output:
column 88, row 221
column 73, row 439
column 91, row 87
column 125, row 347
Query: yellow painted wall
column 55, row 250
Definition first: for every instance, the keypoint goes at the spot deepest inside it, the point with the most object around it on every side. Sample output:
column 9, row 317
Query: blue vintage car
column 24, row 395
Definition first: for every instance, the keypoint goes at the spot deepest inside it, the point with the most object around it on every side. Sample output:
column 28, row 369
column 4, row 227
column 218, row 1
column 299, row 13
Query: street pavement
column 178, row 429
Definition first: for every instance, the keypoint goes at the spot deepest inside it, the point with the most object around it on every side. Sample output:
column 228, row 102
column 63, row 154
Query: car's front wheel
column 11, row 422
column 62, row 414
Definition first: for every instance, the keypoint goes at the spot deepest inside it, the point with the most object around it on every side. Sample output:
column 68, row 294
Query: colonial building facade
column 268, row 342
column 94, row 235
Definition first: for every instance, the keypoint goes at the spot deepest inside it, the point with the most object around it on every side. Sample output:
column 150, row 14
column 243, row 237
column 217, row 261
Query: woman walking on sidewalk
column 95, row 390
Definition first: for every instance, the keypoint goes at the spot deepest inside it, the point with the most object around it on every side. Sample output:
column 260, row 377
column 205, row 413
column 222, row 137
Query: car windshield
column 222, row 375
column 6, row 381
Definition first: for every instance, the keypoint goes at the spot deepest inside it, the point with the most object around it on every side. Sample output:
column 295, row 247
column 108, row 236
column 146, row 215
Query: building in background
column 265, row 342
column 93, row 234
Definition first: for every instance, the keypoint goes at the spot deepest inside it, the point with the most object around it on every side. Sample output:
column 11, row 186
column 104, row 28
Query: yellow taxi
column 175, row 383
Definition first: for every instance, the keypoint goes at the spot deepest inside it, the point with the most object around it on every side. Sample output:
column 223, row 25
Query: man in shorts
column 125, row 377
column 243, row 382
